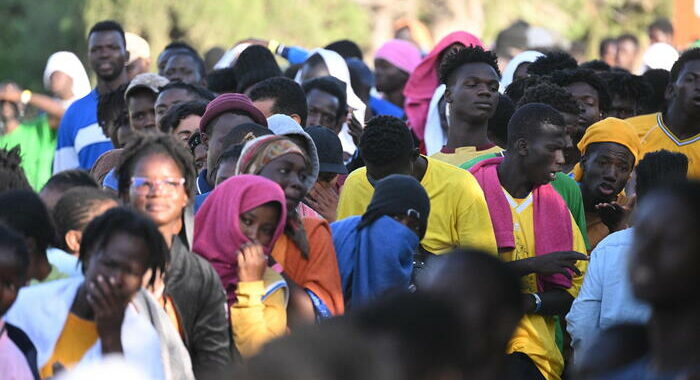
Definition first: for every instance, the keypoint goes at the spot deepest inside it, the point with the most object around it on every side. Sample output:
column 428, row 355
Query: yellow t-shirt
column 643, row 123
column 660, row 137
column 77, row 337
column 464, row 154
column 459, row 216
column 260, row 312
column 535, row 335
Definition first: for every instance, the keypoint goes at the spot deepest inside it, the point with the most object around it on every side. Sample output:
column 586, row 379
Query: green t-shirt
column 37, row 140
column 564, row 185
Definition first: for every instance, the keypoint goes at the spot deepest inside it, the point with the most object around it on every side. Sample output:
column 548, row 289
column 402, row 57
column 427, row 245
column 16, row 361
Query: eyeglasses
column 144, row 186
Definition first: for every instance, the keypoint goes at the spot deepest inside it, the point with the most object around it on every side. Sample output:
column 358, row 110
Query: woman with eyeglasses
column 375, row 251
column 156, row 176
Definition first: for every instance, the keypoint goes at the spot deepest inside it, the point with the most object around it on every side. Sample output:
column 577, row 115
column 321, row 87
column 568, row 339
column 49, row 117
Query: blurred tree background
column 30, row 30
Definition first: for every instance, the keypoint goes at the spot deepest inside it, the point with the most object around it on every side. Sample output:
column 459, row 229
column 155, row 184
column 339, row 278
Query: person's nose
column 559, row 157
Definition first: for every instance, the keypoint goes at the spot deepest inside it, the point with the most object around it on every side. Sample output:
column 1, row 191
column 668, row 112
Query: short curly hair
column 288, row 95
column 12, row 175
column 517, row 88
column 687, row 56
column 472, row 54
column 151, row 144
column 179, row 112
column 551, row 62
column 567, row 77
column 385, row 139
column 596, row 65
column 330, row 85
column 551, row 95
column 628, row 86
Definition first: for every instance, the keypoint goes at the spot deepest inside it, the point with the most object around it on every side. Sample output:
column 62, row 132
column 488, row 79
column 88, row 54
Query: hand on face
column 108, row 301
column 251, row 262
column 324, row 200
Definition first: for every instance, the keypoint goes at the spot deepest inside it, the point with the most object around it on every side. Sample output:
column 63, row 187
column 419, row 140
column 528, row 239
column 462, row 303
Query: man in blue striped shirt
column 81, row 140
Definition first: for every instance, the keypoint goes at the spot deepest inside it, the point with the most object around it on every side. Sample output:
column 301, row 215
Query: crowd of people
column 448, row 214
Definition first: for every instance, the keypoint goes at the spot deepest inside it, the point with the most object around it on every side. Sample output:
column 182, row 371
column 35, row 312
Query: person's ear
column 671, row 91
column 448, row 95
column 297, row 118
column 521, row 147
column 73, row 238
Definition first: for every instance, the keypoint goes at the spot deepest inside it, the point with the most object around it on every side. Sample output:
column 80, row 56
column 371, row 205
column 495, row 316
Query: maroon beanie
column 234, row 103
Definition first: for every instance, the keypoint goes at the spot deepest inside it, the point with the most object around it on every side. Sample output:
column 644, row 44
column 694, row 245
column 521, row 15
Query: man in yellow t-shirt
column 677, row 129
column 458, row 213
column 471, row 77
column 517, row 191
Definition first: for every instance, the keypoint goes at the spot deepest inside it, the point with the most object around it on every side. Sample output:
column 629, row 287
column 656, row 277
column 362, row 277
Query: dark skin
column 314, row 68
column 169, row 98
column 323, row 110
column 587, row 97
column 665, row 252
column 215, row 132
column 571, row 154
column 108, row 56
column 472, row 94
column 165, row 56
column 142, row 116
column 606, row 169
column 521, row 71
column 623, row 108
column 12, row 278
column 183, row 68
column 683, row 97
column 528, row 163
column 412, row 164
column 390, row 81
column 113, row 275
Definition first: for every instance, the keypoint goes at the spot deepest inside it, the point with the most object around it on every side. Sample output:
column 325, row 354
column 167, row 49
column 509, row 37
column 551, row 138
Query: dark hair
column 231, row 153
column 498, row 123
column 687, row 56
column 596, row 65
column 458, row 58
column 110, row 106
column 517, row 88
column 11, row 241
column 242, row 133
column 198, row 61
column 291, row 70
column 603, row 47
column 180, row 45
column 222, row 80
column 255, row 64
column 551, row 95
column 12, row 175
column 180, row 111
column 331, row 86
column 361, row 77
column 24, row 211
column 108, row 26
column 198, row 91
column 551, row 62
column 528, row 120
column 663, row 24
column 289, row 97
column 146, row 145
column 428, row 331
column 346, row 49
column 68, row 179
column 123, row 220
column 658, row 169
column 74, row 207
column 384, row 140
column 567, row 77
column 628, row 37
column 658, row 79
column 629, row 87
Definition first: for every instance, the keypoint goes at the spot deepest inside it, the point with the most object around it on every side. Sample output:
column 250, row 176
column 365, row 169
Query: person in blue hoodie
column 375, row 250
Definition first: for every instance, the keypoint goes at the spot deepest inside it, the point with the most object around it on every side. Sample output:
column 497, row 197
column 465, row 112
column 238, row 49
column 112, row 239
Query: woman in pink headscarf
column 423, row 82
column 235, row 230
column 393, row 64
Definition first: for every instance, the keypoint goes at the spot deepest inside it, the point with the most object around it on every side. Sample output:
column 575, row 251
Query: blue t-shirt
column 80, row 138
column 202, row 184
column 384, row 107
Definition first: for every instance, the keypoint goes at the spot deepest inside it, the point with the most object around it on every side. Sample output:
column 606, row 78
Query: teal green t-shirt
column 563, row 184
column 37, row 141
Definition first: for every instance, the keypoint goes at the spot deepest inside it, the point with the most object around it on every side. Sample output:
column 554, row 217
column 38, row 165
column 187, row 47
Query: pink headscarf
column 401, row 54
column 217, row 233
column 424, row 80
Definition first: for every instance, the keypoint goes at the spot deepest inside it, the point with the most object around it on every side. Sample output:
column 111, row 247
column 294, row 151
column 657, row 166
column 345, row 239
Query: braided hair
column 12, row 175
column 74, row 210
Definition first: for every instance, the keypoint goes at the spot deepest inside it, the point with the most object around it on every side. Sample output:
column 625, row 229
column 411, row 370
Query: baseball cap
column 329, row 148
column 150, row 81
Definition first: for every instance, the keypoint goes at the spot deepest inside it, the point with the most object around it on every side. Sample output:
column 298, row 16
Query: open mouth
column 606, row 189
